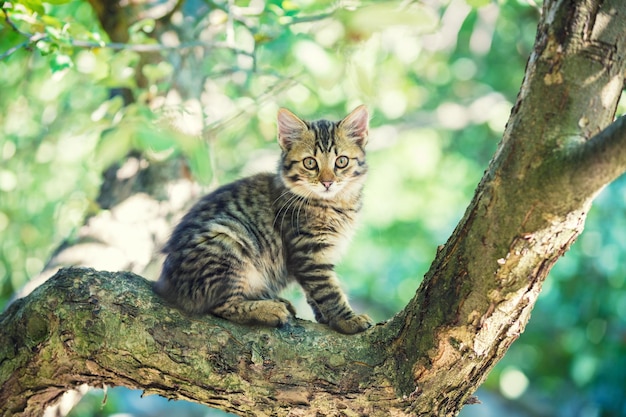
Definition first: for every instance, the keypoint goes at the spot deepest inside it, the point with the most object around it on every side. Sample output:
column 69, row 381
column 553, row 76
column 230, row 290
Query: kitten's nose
column 327, row 184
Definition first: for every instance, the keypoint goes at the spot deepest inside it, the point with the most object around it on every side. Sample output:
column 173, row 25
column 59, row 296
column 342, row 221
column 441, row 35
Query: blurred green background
column 439, row 77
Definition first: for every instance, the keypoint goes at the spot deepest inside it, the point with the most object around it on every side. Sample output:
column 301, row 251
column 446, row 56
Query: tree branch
column 12, row 24
column 33, row 38
column 478, row 294
column 599, row 160
column 118, row 46
column 109, row 328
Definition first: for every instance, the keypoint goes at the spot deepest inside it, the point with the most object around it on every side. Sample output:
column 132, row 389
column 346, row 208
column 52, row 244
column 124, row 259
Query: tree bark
column 556, row 154
column 110, row 328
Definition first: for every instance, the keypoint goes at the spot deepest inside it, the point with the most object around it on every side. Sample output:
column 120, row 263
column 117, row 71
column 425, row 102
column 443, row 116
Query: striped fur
column 239, row 246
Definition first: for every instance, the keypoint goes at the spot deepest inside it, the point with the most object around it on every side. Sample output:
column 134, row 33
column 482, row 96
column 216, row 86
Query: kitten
column 239, row 246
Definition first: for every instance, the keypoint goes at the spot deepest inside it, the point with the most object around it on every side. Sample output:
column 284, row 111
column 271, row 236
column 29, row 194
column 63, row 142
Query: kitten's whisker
column 280, row 208
column 303, row 203
column 286, row 207
column 287, row 191
column 293, row 203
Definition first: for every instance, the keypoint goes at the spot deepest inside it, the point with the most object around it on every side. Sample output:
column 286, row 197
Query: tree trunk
column 100, row 328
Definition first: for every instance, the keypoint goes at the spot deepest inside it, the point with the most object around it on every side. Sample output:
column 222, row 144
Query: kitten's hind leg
column 275, row 313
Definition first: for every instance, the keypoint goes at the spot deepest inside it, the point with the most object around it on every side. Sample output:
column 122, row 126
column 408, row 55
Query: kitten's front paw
column 274, row 313
column 352, row 325
column 288, row 304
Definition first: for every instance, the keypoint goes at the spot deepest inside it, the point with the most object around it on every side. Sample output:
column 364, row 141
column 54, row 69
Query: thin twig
column 281, row 85
column 78, row 43
column 141, row 48
column 156, row 47
column 14, row 49
column 308, row 19
column 25, row 45
column 144, row 48
column 13, row 25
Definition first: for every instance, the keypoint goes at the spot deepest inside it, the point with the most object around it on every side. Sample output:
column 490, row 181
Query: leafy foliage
column 440, row 79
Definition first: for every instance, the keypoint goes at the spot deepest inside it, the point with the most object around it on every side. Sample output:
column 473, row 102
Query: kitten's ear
column 356, row 125
column 290, row 128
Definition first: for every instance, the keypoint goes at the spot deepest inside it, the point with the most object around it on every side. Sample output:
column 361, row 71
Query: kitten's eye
column 309, row 163
column 342, row 162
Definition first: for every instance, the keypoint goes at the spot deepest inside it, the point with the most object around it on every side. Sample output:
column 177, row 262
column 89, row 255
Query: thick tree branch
column 599, row 160
column 88, row 327
column 527, row 211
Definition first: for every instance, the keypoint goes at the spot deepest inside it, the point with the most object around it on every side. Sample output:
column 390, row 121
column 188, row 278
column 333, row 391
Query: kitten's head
column 323, row 159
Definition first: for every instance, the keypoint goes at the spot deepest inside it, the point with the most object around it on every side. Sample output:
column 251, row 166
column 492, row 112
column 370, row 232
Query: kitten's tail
column 161, row 287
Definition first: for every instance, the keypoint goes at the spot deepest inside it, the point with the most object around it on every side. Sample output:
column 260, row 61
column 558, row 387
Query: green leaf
column 77, row 30
column 113, row 146
column 33, row 5
column 57, row 1
column 197, row 153
column 150, row 138
column 54, row 32
column 200, row 163
column 45, row 47
column 477, row 3
column 60, row 62
column 51, row 21
column 122, row 69
column 363, row 22
column 155, row 72
column 144, row 25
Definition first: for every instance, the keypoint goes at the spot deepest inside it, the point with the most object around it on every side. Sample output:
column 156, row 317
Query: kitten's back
column 229, row 232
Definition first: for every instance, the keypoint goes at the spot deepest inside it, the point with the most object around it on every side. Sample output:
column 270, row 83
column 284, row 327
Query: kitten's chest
column 330, row 220
column 314, row 217
column 321, row 226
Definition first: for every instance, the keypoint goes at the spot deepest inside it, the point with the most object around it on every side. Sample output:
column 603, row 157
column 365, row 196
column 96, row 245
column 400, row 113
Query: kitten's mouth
column 328, row 193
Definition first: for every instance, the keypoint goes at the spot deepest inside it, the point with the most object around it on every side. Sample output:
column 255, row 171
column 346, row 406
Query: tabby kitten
column 239, row 246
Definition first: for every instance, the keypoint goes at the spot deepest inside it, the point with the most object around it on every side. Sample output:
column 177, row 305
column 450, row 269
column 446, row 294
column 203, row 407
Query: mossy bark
column 100, row 328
